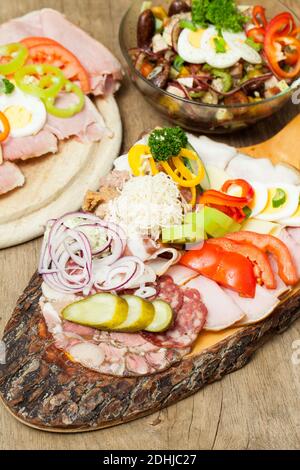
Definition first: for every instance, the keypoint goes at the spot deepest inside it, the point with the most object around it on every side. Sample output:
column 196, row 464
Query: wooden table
column 255, row 408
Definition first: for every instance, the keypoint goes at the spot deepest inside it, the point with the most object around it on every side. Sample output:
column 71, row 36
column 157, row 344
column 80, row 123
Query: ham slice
column 23, row 148
column 10, row 177
column 103, row 68
column 181, row 275
column 223, row 312
column 87, row 126
column 255, row 309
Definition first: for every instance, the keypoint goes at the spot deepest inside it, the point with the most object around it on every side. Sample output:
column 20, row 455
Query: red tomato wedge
column 267, row 243
column 260, row 261
column 228, row 269
column 46, row 50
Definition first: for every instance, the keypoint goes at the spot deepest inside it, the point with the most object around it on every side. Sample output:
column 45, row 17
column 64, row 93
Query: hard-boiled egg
column 220, row 60
column 190, row 46
column 238, row 41
column 260, row 199
column 294, row 220
column 283, row 201
column 26, row 114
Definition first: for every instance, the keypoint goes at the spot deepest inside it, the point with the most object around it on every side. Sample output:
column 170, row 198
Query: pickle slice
column 140, row 314
column 104, row 311
column 163, row 317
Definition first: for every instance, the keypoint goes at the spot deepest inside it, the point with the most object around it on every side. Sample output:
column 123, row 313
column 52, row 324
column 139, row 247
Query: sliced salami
column 189, row 321
column 170, row 293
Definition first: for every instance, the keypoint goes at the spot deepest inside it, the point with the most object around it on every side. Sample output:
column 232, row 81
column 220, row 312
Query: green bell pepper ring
column 71, row 110
column 18, row 54
column 50, row 83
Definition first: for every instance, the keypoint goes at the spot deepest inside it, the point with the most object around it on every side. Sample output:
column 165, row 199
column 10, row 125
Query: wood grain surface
column 256, row 408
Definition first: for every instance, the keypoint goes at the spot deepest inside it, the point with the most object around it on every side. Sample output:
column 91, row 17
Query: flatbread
column 56, row 184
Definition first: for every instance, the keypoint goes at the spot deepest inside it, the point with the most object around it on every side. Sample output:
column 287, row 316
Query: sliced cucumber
column 140, row 314
column 104, row 311
column 163, row 317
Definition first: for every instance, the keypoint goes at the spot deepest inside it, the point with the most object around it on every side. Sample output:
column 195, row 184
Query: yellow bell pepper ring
column 135, row 160
column 18, row 54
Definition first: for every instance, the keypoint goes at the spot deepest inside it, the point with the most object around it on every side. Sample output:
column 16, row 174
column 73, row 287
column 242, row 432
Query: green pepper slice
column 71, row 110
column 226, row 78
column 50, row 83
column 18, row 54
column 279, row 198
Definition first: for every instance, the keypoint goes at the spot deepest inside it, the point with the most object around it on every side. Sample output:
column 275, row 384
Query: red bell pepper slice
column 247, row 190
column 282, row 32
column 259, row 16
column 230, row 205
column 257, row 34
column 221, row 198
column 262, row 267
column 267, row 243
column 228, row 269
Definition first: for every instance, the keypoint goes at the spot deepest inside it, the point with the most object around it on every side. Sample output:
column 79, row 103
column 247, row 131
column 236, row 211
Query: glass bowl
column 194, row 116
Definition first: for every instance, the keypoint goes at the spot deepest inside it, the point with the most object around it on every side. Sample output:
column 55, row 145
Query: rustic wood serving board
column 42, row 388
column 56, row 184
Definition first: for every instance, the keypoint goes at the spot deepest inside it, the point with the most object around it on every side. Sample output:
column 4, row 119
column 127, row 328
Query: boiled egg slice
column 220, row 60
column 26, row 114
column 283, row 201
column 260, row 199
column 190, row 46
column 238, row 42
column 294, row 220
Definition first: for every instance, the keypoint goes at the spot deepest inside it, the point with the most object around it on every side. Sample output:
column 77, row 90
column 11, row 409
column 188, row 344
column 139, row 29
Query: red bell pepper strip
column 267, row 243
column 247, row 190
column 259, row 16
column 280, row 33
column 217, row 197
column 257, row 34
column 230, row 205
column 228, row 269
column 262, row 267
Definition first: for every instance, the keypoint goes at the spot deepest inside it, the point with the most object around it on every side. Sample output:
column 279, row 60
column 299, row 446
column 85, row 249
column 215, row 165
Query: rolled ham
column 103, row 68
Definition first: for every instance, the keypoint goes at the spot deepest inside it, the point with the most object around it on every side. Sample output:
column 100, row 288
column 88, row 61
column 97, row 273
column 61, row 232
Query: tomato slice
column 47, row 51
column 260, row 261
column 37, row 41
column 228, row 269
column 267, row 243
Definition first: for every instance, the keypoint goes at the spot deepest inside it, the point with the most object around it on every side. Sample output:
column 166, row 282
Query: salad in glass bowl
column 218, row 54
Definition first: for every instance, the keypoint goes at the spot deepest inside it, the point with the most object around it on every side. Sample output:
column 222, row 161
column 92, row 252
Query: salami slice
column 170, row 293
column 189, row 321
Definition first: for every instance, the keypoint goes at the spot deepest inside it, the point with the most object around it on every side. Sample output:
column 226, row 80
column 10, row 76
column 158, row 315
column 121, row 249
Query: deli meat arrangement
column 50, row 70
column 184, row 236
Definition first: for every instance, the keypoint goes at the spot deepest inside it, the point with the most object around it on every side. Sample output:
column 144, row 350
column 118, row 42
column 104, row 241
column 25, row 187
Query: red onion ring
column 66, row 255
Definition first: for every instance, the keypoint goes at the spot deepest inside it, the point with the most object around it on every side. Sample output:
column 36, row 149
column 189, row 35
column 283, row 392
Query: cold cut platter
column 173, row 273
column 60, row 124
